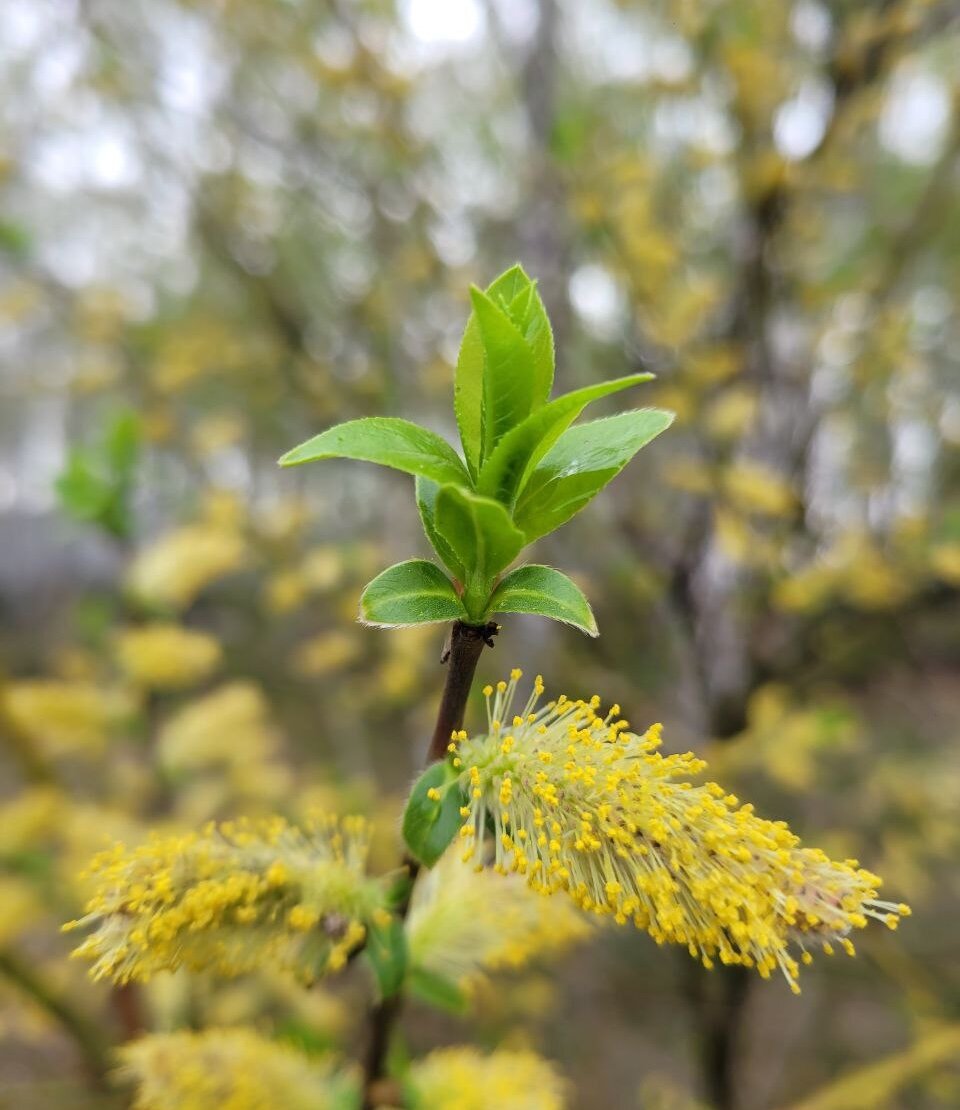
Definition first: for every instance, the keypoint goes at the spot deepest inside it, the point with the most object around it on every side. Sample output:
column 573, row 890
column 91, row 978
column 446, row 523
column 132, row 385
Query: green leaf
column 482, row 537
column 582, row 461
column 386, row 949
column 414, row 592
column 82, row 491
column 427, row 492
column 121, row 444
column 508, row 371
column 546, row 592
column 386, row 440
column 14, row 239
column 311, row 1039
column 430, row 823
column 528, row 313
column 468, row 394
column 509, row 285
column 516, row 296
column 96, row 483
column 437, row 991
column 504, row 474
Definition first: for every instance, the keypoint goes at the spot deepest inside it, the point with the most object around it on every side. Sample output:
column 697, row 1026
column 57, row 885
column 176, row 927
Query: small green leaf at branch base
column 388, row 441
column 414, row 592
column 432, row 815
column 545, row 592
column 386, row 949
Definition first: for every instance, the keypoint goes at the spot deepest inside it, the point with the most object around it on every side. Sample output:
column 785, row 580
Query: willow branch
column 465, row 648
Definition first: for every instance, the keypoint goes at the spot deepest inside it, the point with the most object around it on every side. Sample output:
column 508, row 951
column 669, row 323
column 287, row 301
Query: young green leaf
column 468, row 394
column 504, row 474
column 84, row 492
column 545, row 592
column 516, row 294
column 121, row 444
column 432, row 814
column 386, row 949
column 582, row 461
column 510, row 285
column 528, row 313
column 414, row 592
column 480, row 533
column 508, row 373
column 427, row 492
column 96, row 484
column 386, row 440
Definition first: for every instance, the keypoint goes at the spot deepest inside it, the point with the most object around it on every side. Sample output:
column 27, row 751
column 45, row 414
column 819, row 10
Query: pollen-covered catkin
column 230, row 1069
column 232, row 898
column 464, row 922
column 466, row 1079
column 579, row 803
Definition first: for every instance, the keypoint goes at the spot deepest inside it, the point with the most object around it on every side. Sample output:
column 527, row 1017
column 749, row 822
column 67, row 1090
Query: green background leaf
column 413, row 592
column 436, row 991
column 96, row 484
column 386, row 949
column 545, row 592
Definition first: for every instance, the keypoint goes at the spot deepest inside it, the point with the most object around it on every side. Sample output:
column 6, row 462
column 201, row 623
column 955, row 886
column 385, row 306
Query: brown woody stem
column 465, row 648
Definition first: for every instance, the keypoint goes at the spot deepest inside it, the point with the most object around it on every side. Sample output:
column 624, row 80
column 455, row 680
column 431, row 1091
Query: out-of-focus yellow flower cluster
column 222, row 749
column 172, row 572
column 161, row 656
column 229, row 1069
column 237, row 1069
column 65, row 717
column 466, row 1079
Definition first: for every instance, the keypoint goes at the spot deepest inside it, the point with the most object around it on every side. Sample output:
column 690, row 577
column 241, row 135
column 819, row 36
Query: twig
column 465, row 648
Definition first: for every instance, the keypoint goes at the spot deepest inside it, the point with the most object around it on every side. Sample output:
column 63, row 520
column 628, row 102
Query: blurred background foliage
column 226, row 224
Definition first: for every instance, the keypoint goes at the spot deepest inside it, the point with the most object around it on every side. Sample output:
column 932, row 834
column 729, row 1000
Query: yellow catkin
column 229, row 1069
column 231, row 899
column 176, row 568
column 622, row 829
column 466, row 1079
column 464, row 921
column 230, row 725
column 165, row 656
